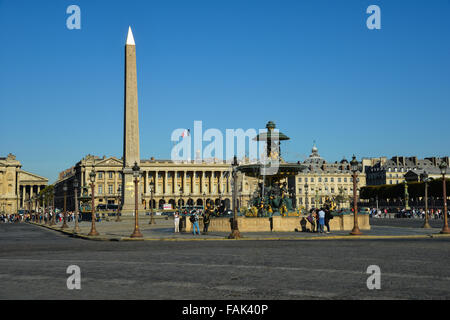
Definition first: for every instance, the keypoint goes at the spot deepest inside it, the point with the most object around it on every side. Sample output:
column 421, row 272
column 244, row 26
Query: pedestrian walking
column 176, row 220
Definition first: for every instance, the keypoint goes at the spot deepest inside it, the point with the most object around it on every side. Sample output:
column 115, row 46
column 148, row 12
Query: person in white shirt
column 321, row 220
column 176, row 220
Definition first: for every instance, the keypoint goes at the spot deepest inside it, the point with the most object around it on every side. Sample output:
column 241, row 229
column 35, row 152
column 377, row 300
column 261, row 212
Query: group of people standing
column 194, row 218
column 319, row 219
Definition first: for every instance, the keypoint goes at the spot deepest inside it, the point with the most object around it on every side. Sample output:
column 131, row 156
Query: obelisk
column 130, row 129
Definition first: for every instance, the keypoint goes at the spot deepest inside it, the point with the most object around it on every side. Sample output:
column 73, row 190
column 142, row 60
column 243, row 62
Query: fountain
column 272, row 196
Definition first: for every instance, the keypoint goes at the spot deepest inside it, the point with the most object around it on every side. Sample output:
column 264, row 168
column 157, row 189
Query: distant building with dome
column 325, row 180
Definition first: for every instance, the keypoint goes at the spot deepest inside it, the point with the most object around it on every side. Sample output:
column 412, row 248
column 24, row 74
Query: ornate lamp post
column 119, row 202
column 75, row 188
column 443, row 168
column 136, row 172
column 240, row 199
column 152, row 219
column 406, row 195
column 426, row 179
column 179, row 202
column 46, row 208
column 52, row 223
column 65, row 208
column 42, row 209
column 204, row 201
column 354, row 168
column 30, row 206
column 306, row 196
column 316, row 199
column 235, row 234
column 92, row 176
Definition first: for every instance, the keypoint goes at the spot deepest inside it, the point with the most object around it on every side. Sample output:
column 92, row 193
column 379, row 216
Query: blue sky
column 313, row 67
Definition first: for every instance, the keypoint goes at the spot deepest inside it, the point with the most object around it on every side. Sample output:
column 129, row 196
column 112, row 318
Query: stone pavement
column 163, row 229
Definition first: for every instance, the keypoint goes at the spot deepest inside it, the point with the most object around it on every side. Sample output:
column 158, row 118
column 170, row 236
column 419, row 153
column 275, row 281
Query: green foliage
column 393, row 191
column 46, row 194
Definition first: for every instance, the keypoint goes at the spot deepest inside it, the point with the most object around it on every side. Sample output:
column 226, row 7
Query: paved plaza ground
column 34, row 260
column 163, row 229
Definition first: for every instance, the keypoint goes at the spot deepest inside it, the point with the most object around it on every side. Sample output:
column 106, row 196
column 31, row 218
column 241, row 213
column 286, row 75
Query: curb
column 318, row 238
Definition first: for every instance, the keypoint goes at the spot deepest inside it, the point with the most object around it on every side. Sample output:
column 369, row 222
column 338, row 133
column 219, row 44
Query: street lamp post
column 42, row 216
column 29, row 208
column 75, row 188
column 45, row 203
column 179, row 201
column 92, row 176
column 152, row 219
column 65, row 208
column 136, row 172
column 354, row 168
column 235, row 234
column 204, row 201
column 306, row 196
column 425, row 179
column 53, row 208
column 406, row 196
column 240, row 199
column 119, row 202
column 443, row 167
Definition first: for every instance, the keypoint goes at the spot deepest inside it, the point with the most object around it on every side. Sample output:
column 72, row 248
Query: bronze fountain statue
column 272, row 196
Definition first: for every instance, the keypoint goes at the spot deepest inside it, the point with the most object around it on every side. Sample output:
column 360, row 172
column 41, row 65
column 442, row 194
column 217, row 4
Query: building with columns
column 325, row 180
column 18, row 186
column 186, row 183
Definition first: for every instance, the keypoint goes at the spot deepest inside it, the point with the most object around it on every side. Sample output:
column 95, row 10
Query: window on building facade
column 339, row 179
column 110, row 174
column 332, row 190
column 120, row 175
column 100, row 189
column 306, row 179
column 326, row 179
column 320, row 179
column 312, row 179
column 345, row 179
column 299, row 179
column 110, row 189
column 100, row 175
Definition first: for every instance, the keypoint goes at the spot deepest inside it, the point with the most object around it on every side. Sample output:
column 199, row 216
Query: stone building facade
column 393, row 171
column 18, row 186
column 325, row 180
column 188, row 183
